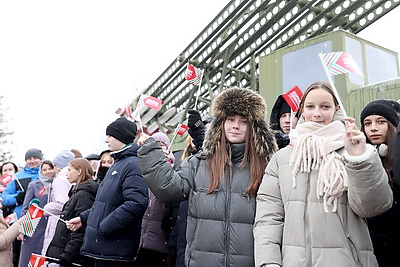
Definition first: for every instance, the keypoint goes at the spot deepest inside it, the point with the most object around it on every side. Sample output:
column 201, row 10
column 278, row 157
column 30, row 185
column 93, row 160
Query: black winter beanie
column 388, row 108
column 122, row 129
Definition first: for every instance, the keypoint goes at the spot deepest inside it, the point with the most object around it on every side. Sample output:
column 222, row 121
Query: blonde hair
column 188, row 144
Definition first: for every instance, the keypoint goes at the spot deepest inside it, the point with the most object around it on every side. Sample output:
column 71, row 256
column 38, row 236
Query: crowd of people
column 306, row 190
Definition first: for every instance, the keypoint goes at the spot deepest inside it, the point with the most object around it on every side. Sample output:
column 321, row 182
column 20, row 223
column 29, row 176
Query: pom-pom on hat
column 122, row 129
column 33, row 152
column 62, row 159
column 388, row 108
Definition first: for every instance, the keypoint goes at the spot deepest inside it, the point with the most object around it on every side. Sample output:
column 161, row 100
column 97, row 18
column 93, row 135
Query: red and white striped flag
column 36, row 260
column 339, row 63
column 193, row 75
column 31, row 220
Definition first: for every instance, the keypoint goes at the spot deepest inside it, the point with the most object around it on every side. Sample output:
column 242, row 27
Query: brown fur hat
column 249, row 104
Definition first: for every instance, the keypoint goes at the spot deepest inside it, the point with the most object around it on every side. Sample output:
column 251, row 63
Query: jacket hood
column 274, row 118
column 247, row 103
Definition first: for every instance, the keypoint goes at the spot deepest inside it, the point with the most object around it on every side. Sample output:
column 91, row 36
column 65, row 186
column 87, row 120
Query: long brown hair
column 218, row 163
column 83, row 165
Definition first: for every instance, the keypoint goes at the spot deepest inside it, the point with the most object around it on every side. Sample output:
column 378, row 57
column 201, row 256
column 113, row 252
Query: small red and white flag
column 193, row 75
column 182, row 129
column 36, row 260
column 293, row 98
column 31, row 220
column 339, row 63
column 152, row 102
column 12, row 218
column 5, row 179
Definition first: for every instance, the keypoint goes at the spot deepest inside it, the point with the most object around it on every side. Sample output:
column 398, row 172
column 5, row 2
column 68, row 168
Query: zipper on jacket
column 307, row 230
column 227, row 212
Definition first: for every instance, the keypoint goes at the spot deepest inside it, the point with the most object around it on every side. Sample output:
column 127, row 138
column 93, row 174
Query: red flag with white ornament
column 293, row 98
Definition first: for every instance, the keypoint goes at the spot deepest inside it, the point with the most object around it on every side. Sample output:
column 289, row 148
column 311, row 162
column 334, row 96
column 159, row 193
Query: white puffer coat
column 292, row 229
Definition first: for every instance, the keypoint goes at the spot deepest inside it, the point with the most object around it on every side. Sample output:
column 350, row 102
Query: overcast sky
column 66, row 66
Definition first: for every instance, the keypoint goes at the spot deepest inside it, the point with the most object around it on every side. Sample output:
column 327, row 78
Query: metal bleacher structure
column 229, row 48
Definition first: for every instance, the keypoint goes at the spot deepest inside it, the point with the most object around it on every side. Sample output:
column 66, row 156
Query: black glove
column 65, row 260
column 20, row 197
column 196, row 128
column 194, row 120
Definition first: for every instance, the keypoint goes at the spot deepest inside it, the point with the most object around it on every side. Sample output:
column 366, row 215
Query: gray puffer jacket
column 219, row 225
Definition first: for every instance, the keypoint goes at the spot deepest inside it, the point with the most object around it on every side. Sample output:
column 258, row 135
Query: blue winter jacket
column 113, row 224
column 13, row 188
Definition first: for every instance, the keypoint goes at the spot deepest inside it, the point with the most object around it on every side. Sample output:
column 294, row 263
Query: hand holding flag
column 31, row 219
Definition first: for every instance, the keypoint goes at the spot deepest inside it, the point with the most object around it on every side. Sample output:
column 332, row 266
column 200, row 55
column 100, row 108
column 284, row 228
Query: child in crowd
column 379, row 120
column 66, row 245
column 317, row 191
column 221, row 182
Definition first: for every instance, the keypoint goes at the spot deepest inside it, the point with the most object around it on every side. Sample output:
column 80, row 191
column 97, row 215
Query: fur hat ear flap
column 247, row 103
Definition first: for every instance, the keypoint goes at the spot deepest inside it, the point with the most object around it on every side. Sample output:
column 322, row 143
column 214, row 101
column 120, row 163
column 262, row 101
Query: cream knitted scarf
column 314, row 148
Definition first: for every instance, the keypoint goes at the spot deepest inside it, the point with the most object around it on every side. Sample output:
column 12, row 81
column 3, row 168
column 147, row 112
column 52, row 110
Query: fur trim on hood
column 249, row 104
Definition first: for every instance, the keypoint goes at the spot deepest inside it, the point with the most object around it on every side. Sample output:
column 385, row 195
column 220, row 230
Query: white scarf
column 314, row 148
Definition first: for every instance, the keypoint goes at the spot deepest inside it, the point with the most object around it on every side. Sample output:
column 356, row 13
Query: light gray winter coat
column 219, row 225
column 292, row 229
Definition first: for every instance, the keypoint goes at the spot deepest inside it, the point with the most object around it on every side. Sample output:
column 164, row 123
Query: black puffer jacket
column 385, row 230
column 114, row 222
column 65, row 243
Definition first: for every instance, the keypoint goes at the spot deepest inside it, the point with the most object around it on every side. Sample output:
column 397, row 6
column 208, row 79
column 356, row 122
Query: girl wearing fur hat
column 379, row 120
column 220, row 182
column 316, row 191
